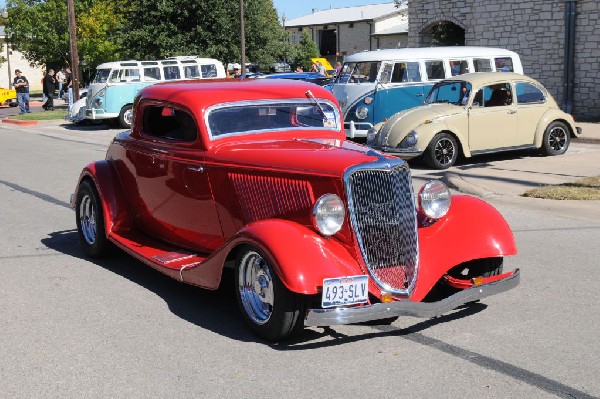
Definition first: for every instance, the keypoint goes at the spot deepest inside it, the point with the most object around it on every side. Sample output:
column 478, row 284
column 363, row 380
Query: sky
column 298, row 8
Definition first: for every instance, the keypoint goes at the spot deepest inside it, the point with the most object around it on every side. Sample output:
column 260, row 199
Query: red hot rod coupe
column 258, row 176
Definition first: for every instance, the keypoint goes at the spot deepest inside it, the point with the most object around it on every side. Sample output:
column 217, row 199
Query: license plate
column 345, row 291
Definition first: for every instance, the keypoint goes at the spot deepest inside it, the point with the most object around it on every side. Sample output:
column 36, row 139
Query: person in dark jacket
column 49, row 88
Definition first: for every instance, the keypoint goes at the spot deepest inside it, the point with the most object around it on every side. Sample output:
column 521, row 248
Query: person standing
column 69, row 84
column 21, row 85
column 49, row 88
column 60, row 80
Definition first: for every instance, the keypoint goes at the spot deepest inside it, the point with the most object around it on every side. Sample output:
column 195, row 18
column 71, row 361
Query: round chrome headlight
column 98, row 101
column 362, row 112
column 371, row 134
column 434, row 199
column 411, row 138
column 329, row 214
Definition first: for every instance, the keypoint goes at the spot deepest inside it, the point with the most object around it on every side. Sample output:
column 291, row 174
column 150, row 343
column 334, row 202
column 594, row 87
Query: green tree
column 447, row 33
column 305, row 50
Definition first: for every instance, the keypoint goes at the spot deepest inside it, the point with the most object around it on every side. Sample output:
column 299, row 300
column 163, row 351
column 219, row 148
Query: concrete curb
column 20, row 122
column 455, row 181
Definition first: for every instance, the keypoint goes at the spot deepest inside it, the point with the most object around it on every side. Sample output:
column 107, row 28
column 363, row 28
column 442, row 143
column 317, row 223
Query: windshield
column 243, row 117
column 455, row 92
column 359, row 72
column 101, row 76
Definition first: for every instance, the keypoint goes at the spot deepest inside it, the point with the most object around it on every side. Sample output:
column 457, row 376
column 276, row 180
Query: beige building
column 15, row 60
column 344, row 31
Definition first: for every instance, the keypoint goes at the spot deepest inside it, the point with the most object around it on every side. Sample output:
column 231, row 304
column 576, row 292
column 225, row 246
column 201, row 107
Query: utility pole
column 242, row 39
column 73, row 46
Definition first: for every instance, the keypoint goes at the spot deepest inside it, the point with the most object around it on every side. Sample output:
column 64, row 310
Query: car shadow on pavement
column 88, row 127
column 217, row 310
column 480, row 161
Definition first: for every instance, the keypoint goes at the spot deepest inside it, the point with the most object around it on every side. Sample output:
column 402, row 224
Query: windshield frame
column 272, row 102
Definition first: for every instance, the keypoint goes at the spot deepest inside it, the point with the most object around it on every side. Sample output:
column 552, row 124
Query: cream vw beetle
column 477, row 113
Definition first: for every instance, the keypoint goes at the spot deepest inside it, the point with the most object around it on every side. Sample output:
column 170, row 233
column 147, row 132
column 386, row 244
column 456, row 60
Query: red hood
column 311, row 156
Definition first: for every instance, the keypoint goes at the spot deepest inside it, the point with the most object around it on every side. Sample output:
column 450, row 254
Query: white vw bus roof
column 429, row 52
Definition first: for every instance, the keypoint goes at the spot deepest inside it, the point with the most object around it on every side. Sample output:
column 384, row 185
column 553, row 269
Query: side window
column 435, row 69
column 386, row 73
column 209, row 71
column 114, row 76
column 169, row 123
column 130, row 75
column 151, row 74
column 482, row 65
column 191, row 72
column 406, row 72
column 365, row 72
column 458, row 67
column 171, row 72
column 529, row 94
column 498, row 95
column 504, row 64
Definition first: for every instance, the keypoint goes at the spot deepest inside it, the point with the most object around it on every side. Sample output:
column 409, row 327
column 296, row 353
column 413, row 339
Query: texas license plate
column 345, row 291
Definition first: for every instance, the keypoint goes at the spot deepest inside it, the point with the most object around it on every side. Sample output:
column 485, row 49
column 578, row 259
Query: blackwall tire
column 90, row 222
column 271, row 310
column 556, row 139
column 442, row 151
column 125, row 117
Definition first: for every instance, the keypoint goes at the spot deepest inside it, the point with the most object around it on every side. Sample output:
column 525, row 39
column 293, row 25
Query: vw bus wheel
column 556, row 139
column 90, row 221
column 272, row 311
column 442, row 151
column 125, row 117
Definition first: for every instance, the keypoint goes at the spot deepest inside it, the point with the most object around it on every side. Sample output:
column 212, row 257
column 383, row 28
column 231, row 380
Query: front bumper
column 405, row 153
column 360, row 314
column 98, row 113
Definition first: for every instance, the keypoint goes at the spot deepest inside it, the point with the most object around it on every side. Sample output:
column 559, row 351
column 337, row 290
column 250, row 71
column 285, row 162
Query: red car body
column 192, row 204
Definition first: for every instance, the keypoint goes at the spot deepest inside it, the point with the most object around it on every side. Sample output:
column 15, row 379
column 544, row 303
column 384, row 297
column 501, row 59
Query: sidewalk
column 506, row 179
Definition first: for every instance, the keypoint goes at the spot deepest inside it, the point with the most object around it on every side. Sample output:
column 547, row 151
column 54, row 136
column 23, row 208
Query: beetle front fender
column 301, row 257
column 472, row 229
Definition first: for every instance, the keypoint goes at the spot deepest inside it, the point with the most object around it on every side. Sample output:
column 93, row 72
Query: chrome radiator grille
column 382, row 210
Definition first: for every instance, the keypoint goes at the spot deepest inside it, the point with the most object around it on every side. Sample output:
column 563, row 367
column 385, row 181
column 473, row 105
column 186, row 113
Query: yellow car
column 8, row 97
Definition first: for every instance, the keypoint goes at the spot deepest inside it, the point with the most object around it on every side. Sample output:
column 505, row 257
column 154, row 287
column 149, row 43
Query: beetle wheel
column 442, row 151
column 90, row 221
column 272, row 311
column 556, row 139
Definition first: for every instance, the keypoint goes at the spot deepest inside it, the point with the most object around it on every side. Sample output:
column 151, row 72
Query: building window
column 351, row 25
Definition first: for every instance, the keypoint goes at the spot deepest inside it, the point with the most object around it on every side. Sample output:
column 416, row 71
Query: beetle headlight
column 362, row 112
column 329, row 214
column 371, row 134
column 410, row 140
column 434, row 199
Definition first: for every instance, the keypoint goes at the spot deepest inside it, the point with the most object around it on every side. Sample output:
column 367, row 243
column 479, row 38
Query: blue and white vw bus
column 374, row 85
column 111, row 93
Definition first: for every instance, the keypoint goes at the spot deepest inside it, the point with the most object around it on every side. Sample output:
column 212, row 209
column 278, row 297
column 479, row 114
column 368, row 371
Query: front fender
column 301, row 257
column 472, row 229
column 550, row 116
column 427, row 132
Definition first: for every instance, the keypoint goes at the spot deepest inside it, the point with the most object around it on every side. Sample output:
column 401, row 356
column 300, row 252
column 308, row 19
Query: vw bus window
column 151, row 74
column 209, row 71
column 171, row 72
column 458, row 67
column 435, row 69
column 101, row 76
column 191, row 72
column 365, row 72
column 406, row 72
column 482, row 65
column 346, row 72
column 504, row 64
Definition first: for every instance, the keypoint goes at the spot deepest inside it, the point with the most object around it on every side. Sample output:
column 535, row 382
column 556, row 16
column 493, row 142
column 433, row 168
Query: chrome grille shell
column 382, row 211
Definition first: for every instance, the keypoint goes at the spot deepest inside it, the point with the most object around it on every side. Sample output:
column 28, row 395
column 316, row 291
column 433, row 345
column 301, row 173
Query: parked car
column 8, row 97
column 312, row 77
column 474, row 114
column 257, row 175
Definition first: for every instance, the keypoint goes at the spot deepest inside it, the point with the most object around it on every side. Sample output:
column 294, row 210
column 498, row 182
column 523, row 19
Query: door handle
column 420, row 95
column 197, row 169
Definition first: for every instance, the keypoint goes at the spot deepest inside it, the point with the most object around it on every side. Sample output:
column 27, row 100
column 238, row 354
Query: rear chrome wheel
column 90, row 221
column 272, row 311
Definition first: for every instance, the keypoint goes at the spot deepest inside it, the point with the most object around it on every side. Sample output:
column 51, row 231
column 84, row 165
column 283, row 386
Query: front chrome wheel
column 442, row 151
column 255, row 285
column 87, row 217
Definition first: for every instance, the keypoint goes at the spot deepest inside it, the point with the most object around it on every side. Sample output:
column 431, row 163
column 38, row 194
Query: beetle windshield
column 454, row 92
column 243, row 118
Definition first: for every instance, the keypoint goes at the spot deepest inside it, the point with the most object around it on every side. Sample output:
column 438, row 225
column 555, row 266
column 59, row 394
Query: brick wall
column 535, row 29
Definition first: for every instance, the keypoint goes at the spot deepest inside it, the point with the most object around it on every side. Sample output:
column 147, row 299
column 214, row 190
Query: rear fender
column 472, row 229
column 102, row 175
column 550, row 116
column 301, row 257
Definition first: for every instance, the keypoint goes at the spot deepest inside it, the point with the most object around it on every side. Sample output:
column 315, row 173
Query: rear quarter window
column 529, row 94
